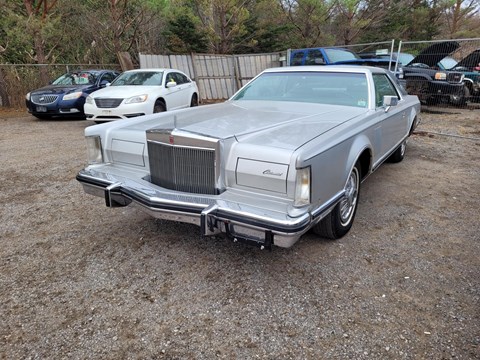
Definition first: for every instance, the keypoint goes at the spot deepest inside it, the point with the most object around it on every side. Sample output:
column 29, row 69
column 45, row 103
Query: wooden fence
column 218, row 76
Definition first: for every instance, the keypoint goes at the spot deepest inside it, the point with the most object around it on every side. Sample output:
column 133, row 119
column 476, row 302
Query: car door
column 174, row 95
column 394, row 122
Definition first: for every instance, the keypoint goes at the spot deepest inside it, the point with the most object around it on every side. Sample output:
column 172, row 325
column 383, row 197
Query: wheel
column 399, row 153
column 194, row 101
column 339, row 221
column 460, row 99
column 159, row 106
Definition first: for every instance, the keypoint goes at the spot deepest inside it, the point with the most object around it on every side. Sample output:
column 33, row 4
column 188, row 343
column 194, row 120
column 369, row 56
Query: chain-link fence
column 17, row 80
column 440, row 73
column 444, row 72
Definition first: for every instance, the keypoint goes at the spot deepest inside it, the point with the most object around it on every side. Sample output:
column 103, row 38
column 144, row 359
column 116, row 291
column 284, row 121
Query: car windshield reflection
column 146, row 78
column 346, row 89
column 76, row 78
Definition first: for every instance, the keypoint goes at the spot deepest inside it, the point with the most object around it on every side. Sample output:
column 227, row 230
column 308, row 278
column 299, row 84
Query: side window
column 183, row 78
column 314, row 57
column 297, row 58
column 170, row 77
column 383, row 87
column 108, row 77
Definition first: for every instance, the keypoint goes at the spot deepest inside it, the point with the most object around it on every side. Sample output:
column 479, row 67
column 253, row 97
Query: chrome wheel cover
column 349, row 201
column 403, row 148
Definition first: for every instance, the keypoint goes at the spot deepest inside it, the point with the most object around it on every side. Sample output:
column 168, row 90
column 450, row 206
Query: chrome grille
column 454, row 77
column 182, row 168
column 108, row 103
column 44, row 99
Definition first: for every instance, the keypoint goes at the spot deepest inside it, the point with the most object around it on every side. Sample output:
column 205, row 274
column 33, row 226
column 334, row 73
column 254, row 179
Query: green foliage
column 93, row 31
column 184, row 33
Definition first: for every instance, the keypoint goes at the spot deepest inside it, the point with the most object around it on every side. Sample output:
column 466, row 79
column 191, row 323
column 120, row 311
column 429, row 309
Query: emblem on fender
column 270, row 172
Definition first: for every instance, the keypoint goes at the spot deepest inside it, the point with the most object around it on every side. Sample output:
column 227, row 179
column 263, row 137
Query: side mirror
column 171, row 84
column 104, row 83
column 389, row 101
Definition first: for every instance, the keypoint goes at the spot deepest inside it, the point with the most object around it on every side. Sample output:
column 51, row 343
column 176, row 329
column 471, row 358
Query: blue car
column 335, row 56
column 65, row 96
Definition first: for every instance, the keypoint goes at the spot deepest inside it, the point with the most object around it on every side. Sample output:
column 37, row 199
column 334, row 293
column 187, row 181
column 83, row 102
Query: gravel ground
column 79, row 280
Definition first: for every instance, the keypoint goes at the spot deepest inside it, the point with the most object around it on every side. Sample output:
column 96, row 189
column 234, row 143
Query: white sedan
column 141, row 92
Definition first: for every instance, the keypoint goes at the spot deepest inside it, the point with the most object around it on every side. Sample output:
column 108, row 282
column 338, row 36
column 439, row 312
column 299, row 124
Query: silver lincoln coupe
column 287, row 153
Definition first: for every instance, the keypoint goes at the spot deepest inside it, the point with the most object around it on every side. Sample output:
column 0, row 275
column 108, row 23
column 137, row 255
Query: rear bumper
column 239, row 220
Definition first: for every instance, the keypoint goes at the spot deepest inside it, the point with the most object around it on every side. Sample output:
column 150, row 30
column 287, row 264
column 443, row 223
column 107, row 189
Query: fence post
column 194, row 71
column 237, row 76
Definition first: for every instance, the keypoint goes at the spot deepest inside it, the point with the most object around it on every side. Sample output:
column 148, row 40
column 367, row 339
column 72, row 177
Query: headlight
column 440, row 76
column 136, row 99
column 302, row 187
column 72, row 96
column 27, row 97
column 94, row 150
column 89, row 100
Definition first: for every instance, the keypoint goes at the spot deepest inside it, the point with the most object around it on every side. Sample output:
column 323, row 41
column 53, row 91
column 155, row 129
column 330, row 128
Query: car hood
column 470, row 61
column 432, row 55
column 266, row 123
column 60, row 89
column 367, row 62
column 124, row 91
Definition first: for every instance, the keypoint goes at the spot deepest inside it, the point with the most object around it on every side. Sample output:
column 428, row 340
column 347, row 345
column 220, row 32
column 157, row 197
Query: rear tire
column 194, row 101
column 399, row 153
column 339, row 221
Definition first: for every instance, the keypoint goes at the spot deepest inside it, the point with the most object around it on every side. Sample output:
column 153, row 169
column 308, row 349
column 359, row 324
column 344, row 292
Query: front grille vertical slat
column 182, row 168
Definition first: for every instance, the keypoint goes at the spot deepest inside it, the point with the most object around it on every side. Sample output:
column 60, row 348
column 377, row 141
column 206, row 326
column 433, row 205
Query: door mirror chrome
column 389, row 101
column 171, row 84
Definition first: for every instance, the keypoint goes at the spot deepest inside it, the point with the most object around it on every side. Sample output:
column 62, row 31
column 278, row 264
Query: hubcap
column 402, row 148
column 349, row 202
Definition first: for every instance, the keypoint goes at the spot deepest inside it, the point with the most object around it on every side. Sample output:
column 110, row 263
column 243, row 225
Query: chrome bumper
column 214, row 215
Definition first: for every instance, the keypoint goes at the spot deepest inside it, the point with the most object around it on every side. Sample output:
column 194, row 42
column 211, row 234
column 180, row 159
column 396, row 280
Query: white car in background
column 141, row 92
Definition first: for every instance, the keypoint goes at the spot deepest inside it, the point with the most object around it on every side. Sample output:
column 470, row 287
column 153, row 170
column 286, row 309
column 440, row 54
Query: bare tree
column 308, row 19
column 38, row 12
column 458, row 13
column 356, row 16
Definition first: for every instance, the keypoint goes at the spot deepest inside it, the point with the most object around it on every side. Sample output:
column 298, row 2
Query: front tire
column 460, row 99
column 159, row 107
column 339, row 221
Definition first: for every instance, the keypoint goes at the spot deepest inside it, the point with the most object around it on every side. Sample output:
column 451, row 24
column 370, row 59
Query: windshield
column 76, row 78
column 405, row 58
column 349, row 89
column 448, row 63
column 335, row 55
column 139, row 78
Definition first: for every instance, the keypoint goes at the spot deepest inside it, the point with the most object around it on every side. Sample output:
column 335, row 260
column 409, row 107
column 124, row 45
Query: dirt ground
column 79, row 280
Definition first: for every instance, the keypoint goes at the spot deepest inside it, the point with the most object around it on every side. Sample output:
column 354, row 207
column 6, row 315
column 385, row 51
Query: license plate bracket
column 41, row 109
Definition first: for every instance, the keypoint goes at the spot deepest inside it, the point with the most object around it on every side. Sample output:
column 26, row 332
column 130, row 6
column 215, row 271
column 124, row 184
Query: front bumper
column 123, row 111
column 443, row 88
column 228, row 214
column 62, row 108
